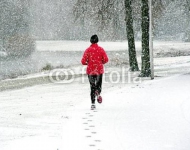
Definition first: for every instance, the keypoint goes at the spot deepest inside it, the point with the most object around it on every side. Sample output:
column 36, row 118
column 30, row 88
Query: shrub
column 47, row 67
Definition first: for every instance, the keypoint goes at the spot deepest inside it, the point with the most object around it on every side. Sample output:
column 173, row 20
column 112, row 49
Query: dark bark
column 130, row 36
column 145, row 68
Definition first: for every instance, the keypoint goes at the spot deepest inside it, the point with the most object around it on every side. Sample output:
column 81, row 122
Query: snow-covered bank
column 164, row 67
column 34, row 79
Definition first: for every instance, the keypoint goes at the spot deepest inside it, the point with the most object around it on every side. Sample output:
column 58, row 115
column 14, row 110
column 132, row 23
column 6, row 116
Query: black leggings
column 95, row 85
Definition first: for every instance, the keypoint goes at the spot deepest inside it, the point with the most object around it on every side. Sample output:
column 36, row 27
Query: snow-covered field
column 161, row 46
column 136, row 114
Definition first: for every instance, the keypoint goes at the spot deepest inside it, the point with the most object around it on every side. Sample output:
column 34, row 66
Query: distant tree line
column 15, row 36
column 76, row 20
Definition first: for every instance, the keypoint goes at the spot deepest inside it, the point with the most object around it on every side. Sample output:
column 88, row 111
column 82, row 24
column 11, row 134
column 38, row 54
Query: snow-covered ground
column 161, row 46
column 136, row 114
column 149, row 115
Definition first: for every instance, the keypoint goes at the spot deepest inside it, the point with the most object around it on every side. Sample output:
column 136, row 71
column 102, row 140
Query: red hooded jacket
column 94, row 57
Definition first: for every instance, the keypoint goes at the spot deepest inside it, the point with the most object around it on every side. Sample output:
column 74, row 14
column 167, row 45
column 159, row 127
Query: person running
column 95, row 57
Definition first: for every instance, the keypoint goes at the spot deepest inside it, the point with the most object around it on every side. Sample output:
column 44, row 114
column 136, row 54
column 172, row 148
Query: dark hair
column 94, row 39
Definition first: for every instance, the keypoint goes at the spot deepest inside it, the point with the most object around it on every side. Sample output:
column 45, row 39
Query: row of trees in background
column 54, row 19
column 174, row 24
column 15, row 36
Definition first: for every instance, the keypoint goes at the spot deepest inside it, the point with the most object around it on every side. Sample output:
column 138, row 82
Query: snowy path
column 153, row 115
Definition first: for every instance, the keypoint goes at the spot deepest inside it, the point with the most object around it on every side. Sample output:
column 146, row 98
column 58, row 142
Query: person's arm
column 104, row 57
column 84, row 59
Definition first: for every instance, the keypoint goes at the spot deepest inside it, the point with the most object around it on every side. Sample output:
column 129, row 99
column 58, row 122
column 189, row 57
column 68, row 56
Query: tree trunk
column 130, row 36
column 145, row 68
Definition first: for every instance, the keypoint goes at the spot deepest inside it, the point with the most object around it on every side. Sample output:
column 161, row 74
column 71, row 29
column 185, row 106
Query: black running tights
column 95, row 85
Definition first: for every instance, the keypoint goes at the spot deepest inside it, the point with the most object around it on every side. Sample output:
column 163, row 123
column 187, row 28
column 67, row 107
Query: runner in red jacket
column 94, row 57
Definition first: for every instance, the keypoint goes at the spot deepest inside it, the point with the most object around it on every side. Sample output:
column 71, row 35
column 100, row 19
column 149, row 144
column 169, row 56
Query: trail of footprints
column 91, row 129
